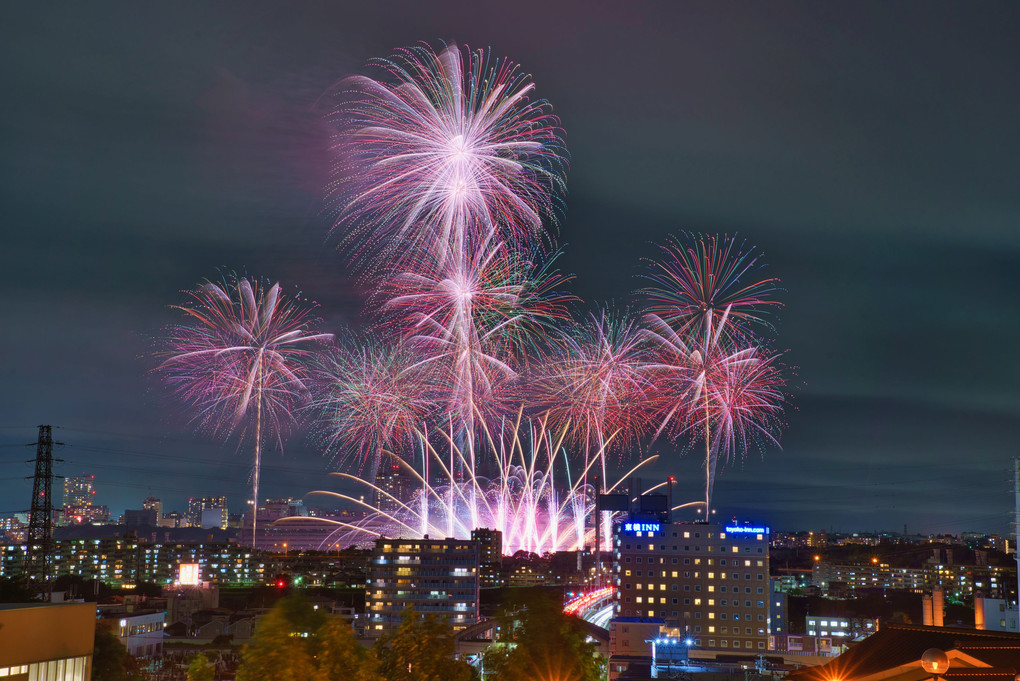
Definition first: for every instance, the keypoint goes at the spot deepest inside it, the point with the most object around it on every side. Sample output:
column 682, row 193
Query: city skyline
column 900, row 260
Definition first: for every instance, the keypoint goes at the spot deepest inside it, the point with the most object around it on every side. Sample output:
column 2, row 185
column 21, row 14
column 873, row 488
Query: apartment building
column 709, row 580
column 435, row 576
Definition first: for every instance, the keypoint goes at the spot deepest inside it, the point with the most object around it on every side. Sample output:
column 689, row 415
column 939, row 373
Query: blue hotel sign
column 747, row 530
column 641, row 527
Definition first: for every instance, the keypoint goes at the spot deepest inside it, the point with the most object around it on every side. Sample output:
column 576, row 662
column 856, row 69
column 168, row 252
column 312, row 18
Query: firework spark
column 444, row 147
column 370, row 397
column 239, row 360
column 714, row 382
column 710, row 277
column 599, row 385
column 533, row 498
column 476, row 321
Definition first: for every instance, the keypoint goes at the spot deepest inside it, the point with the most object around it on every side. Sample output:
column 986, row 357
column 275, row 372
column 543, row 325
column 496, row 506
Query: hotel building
column 711, row 581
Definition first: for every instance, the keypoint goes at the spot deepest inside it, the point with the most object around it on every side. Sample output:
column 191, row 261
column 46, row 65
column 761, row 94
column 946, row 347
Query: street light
column 935, row 661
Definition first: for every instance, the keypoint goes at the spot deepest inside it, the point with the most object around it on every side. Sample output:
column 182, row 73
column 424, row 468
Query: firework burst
column 477, row 321
column 442, row 147
column 710, row 277
column 370, row 397
column 239, row 360
column 714, row 382
column 599, row 385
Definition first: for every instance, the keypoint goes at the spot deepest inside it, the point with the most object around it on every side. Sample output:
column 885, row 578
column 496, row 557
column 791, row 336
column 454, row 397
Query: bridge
column 595, row 607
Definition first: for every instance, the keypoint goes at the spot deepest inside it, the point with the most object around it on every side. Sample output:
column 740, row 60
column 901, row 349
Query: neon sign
column 641, row 527
column 747, row 530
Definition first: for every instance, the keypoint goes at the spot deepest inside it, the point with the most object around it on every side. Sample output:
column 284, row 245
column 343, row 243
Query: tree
column 201, row 668
column 341, row 657
column 282, row 647
column 420, row 650
column 546, row 645
column 295, row 642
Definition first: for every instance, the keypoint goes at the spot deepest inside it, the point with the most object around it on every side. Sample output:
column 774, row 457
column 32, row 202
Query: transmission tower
column 39, row 550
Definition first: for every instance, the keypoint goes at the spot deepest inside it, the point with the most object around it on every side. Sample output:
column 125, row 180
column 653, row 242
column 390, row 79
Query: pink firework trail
column 239, row 360
column 599, row 385
column 532, row 498
column 599, row 388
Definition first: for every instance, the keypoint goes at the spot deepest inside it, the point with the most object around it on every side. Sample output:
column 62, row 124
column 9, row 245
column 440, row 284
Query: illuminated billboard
column 187, row 574
column 641, row 527
column 747, row 530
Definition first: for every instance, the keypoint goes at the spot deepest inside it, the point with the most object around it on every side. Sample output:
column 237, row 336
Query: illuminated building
column 13, row 530
column 154, row 504
column 198, row 505
column 958, row 581
column 435, row 576
column 79, row 498
column 849, row 628
column 397, row 488
column 126, row 561
column 139, row 631
column 79, row 490
column 708, row 580
column 43, row 641
column 490, row 556
column 779, row 608
column 995, row 614
column 871, row 575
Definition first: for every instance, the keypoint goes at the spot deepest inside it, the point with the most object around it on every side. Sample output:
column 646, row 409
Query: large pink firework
column 474, row 320
column 599, row 386
column 443, row 147
column 714, row 381
column 239, row 360
column 369, row 398
column 699, row 277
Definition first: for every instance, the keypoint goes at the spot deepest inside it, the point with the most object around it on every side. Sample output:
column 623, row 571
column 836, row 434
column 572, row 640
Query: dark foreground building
column 435, row 576
column 896, row 652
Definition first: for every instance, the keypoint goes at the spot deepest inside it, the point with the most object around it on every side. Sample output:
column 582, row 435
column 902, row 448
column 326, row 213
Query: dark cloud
column 869, row 150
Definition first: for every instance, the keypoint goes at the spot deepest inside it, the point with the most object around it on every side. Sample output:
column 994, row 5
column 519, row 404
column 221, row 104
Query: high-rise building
column 436, row 576
column 154, row 504
column 711, row 581
column 490, row 556
column 79, row 490
column 397, row 488
column 198, row 504
column 79, row 493
column 172, row 519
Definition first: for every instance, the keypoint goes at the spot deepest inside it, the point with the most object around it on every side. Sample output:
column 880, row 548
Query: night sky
column 869, row 149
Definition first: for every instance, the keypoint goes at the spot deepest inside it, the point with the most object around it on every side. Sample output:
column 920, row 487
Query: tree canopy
column 543, row 644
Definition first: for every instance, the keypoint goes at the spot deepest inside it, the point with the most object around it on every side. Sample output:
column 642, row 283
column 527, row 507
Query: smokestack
column 926, row 611
column 979, row 611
